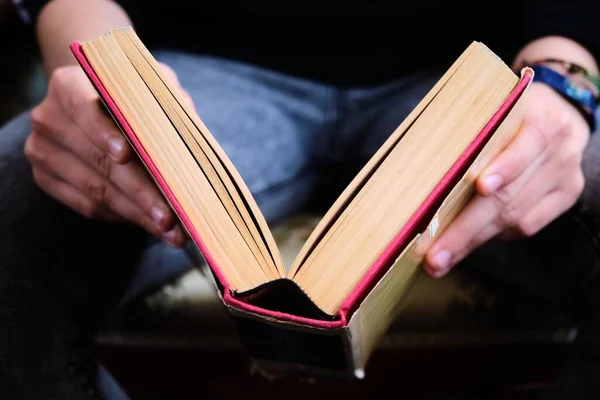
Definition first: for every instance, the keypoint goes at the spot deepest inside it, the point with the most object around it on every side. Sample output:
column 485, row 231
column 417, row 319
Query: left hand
column 80, row 157
column 533, row 181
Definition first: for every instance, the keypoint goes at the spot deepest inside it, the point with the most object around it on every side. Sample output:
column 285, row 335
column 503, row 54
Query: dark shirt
column 353, row 43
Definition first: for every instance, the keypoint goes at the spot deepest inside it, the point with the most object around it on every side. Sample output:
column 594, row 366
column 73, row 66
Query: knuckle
column 563, row 122
column 44, row 123
column 76, row 106
column 577, row 185
column 89, row 210
column 575, row 156
column 471, row 246
column 33, row 152
column 99, row 118
column 527, row 229
column 571, row 154
column 140, row 195
column 543, row 137
column 503, row 197
column 39, row 178
column 96, row 191
column 74, row 97
column 508, row 216
column 564, row 132
column 94, row 123
column 38, row 118
column 143, row 197
column 60, row 77
column 29, row 147
column 101, row 162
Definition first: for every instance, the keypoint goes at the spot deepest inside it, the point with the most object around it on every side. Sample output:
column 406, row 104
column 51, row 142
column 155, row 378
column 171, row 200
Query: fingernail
column 115, row 146
column 441, row 260
column 171, row 237
column 440, row 273
column 492, row 183
column 158, row 214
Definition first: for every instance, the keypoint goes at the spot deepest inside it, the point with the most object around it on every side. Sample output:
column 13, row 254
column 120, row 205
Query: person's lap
column 292, row 141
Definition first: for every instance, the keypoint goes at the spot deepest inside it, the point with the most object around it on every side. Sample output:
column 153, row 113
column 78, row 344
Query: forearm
column 558, row 48
column 63, row 21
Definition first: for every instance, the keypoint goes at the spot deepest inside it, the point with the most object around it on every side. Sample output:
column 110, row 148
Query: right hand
column 81, row 158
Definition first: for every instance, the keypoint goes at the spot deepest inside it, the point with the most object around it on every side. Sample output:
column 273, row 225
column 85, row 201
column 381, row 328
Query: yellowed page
column 177, row 165
column 410, row 172
column 357, row 183
column 211, row 165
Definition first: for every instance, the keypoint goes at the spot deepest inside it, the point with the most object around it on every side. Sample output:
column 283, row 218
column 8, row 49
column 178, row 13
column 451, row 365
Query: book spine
column 283, row 348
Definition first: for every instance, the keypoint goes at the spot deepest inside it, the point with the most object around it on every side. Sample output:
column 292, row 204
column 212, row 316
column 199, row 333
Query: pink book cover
column 415, row 225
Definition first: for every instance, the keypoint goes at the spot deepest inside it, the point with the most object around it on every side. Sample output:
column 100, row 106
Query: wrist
column 581, row 99
column 569, row 69
column 60, row 22
column 558, row 48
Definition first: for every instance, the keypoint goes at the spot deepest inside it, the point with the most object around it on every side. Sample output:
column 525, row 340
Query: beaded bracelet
column 577, row 85
column 574, row 69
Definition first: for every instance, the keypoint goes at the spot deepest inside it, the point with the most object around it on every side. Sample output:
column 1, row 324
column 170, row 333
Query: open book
column 326, row 311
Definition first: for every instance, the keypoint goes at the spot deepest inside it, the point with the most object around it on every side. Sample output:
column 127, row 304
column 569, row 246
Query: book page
column 235, row 251
column 235, row 200
column 428, row 149
column 366, row 172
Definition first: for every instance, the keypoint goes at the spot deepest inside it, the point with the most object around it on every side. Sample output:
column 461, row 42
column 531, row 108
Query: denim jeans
column 296, row 143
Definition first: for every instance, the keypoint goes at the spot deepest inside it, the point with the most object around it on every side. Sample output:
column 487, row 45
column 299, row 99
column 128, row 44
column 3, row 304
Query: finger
column 98, row 192
column 131, row 212
column 545, row 212
column 130, row 178
column 74, row 199
column 71, row 197
column 175, row 237
column 80, row 101
column 52, row 122
column 486, row 233
column 470, row 228
column 481, row 219
column 535, row 191
column 551, row 207
column 530, row 144
column 135, row 183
